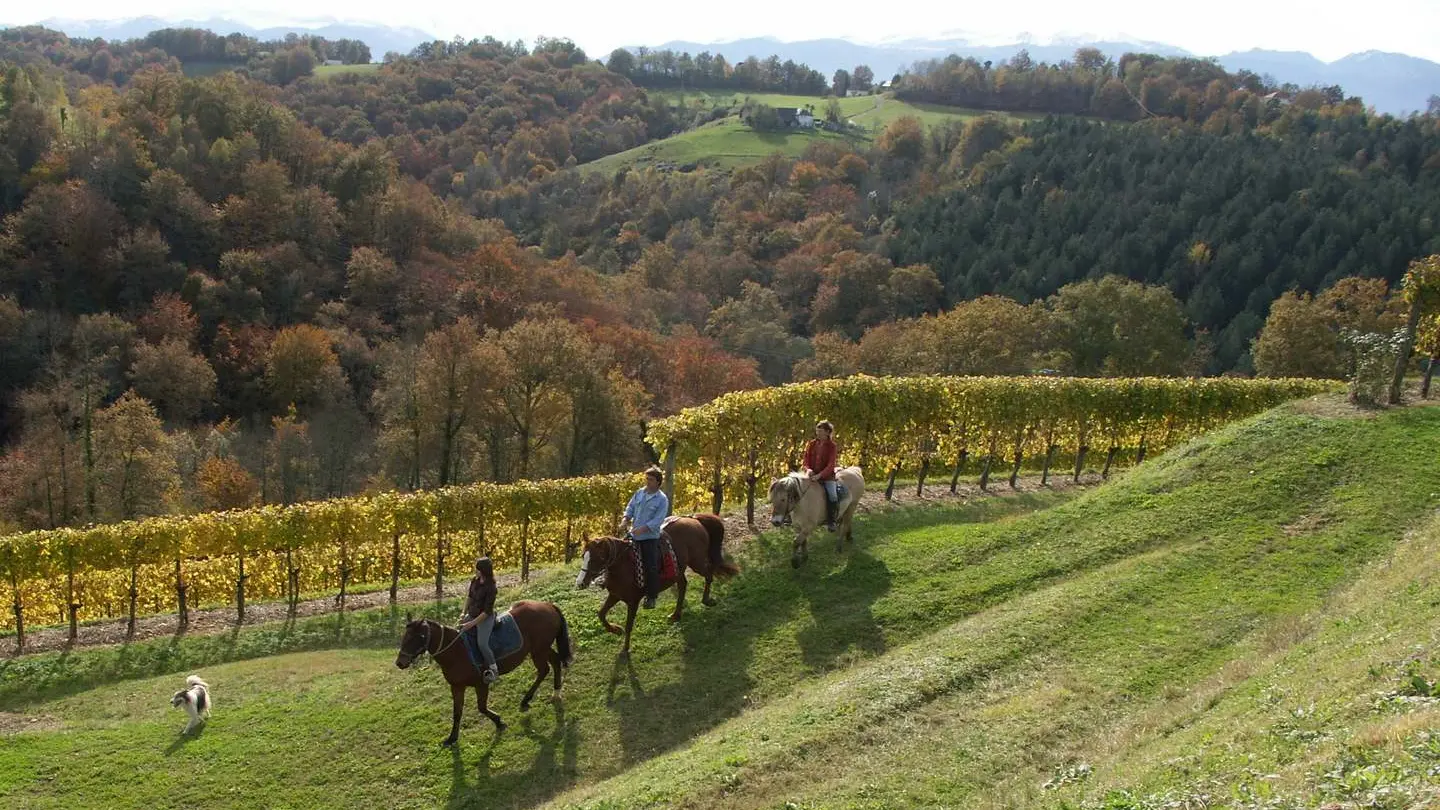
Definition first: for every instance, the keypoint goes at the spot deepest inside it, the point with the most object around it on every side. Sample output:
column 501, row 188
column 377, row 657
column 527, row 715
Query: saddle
column 667, row 561
column 505, row 641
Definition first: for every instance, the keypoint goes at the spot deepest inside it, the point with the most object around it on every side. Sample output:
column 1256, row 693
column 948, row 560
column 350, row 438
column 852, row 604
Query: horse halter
column 594, row 569
column 791, row 485
column 425, row 645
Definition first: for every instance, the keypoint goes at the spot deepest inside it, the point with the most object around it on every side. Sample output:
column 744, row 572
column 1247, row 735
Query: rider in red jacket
column 820, row 456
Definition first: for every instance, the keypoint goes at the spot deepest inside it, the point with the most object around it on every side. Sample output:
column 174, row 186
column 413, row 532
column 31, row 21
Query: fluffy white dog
column 195, row 697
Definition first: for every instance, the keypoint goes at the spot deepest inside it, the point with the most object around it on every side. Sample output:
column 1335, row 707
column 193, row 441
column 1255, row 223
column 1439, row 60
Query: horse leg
column 482, row 695
column 630, row 608
column 680, row 585
column 705, row 597
column 559, row 677
column 605, row 609
column 457, row 695
column 542, row 668
column 800, row 553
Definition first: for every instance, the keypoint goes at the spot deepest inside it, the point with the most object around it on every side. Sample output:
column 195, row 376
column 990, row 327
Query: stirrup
column 491, row 675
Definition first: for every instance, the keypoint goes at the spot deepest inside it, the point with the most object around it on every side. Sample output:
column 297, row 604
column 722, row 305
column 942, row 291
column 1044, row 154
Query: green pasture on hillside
column 1198, row 618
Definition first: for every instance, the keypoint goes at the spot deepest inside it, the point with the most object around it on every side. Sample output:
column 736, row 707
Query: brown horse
column 697, row 541
column 541, row 624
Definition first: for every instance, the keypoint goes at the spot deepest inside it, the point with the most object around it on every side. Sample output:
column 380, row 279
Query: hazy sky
column 1210, row 28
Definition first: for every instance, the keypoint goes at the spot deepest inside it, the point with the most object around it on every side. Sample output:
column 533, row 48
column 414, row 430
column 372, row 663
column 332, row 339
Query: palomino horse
column 697, row 542
column 803, row 501
column 541, row 624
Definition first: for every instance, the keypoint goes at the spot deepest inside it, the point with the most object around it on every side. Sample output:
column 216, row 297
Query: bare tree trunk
column 74, row 606
column 1080, row 461
column 890, row 485
column 1429, row 372
column 1403, row 361
column 240, row 592
column 985, row 471
column 525, row 549
column 1049, row 459
column 1109, row 459
column 717, row 490
column 924, row 470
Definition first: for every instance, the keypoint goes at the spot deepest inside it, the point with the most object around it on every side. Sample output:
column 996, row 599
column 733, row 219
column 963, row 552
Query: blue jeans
column 482, row 638
column 830, row 491
column 650, row 558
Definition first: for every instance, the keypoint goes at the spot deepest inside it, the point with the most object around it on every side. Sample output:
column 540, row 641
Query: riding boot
column 830, row 507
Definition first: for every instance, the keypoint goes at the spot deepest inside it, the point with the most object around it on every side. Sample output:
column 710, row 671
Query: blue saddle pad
column 505, row 640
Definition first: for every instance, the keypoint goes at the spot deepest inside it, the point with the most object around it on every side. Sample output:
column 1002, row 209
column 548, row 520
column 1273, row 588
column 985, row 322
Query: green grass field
column 330, row 71
column 728, row 143
column 1238, row 617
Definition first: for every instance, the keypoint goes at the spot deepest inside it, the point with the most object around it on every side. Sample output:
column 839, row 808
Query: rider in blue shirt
column 647, row 509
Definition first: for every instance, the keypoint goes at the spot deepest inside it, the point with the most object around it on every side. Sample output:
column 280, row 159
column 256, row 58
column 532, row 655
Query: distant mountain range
column 380, row 38
column 1392, row 82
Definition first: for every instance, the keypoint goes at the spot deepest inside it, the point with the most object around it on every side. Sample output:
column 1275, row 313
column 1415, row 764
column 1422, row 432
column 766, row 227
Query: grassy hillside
column 1118, row 640
column 729, row 143
column 329, row 71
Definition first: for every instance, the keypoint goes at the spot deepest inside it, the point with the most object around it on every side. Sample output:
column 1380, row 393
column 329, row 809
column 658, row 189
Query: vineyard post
column 1049, row 458
column 959, row 469
column 439, row 556
column 240, row 590
column 717, row 488
column 18, row 607
column 525, row 546
column 750, row 491
column 670, row 474
column 70, row 588
column 1019, row 459
column 394, row 561
column 134, row 591
column 180, row 591
column 344, row 567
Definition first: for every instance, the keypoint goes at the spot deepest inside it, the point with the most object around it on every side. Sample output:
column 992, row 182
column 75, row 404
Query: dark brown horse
column 697, row 541
column 541, row 624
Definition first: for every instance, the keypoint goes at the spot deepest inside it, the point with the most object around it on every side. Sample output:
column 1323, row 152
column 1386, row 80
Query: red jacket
column 820, row 458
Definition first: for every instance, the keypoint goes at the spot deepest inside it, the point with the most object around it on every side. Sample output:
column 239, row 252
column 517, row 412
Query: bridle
column 791, row 485
column 410, row 657
column 597, row 567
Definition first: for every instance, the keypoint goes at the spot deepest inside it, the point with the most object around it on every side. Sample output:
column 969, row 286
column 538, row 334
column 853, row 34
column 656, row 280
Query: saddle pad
column 667, row 562
column 505, row 640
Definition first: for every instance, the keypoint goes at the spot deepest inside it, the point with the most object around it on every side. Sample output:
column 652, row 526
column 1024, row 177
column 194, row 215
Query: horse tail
column 715, row 527
column 562, row 639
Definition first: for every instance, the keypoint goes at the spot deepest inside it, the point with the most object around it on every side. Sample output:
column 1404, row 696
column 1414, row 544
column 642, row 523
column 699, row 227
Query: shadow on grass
column 553, row 766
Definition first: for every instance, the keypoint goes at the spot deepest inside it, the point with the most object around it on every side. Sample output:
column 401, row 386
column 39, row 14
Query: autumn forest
column 232, row 278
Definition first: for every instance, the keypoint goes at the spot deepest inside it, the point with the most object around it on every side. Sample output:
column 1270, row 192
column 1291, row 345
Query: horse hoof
column 558, row 697
column 448, row 742
column 525, row 707
column 501, row 726
column 614, row 631
column 794, row 562
column 708, row 602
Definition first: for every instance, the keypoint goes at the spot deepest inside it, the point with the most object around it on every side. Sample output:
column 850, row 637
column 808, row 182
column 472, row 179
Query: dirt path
column 219, row 620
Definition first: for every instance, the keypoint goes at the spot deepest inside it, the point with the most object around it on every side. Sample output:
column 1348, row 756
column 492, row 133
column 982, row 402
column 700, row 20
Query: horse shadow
column 557, row 751
column 720, row 643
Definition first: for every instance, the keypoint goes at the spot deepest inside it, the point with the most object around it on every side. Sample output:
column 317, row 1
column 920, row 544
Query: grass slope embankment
column 958, row 656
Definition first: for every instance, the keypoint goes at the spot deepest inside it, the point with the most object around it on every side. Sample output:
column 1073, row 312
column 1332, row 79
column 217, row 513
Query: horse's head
column 415, row 641
column 598, row 555
column 784, row 495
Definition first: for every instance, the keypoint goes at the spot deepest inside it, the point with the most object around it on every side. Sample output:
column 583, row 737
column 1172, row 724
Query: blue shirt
column 647, row 510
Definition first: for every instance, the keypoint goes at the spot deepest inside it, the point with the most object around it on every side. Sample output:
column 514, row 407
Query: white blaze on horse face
column 584, row 569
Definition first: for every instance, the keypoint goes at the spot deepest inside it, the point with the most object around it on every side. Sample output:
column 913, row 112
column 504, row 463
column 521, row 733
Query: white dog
column 196, row 700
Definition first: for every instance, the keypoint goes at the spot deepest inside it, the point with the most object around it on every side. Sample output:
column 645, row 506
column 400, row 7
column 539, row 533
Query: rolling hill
column 1394, row 83
column 728, row 143
column 1251, row 614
